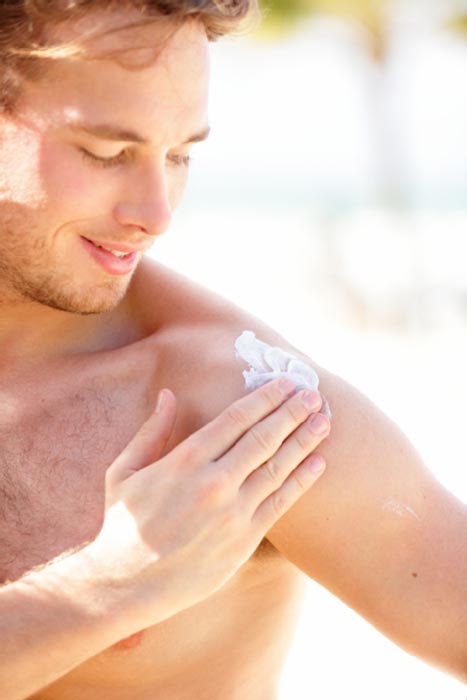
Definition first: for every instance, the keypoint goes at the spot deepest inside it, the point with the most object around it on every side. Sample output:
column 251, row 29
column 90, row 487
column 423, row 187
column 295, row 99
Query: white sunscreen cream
column 268, row 362
column 400, row 509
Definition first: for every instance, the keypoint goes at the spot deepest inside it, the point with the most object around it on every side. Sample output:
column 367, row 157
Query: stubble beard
column 30, row 273
column 57, row 293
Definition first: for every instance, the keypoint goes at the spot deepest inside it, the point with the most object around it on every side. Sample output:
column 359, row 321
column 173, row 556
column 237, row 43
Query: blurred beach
column 331, row 201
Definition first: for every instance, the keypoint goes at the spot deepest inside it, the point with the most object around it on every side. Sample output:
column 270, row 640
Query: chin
column 72, row 292
column 85, row 304
column 90, row 307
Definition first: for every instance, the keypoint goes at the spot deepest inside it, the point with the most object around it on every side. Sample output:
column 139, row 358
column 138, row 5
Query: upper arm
column 381, row 533
column 377, row 529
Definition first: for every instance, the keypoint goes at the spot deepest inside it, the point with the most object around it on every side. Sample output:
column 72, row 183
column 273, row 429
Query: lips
column 109, row 262
column 119, row 247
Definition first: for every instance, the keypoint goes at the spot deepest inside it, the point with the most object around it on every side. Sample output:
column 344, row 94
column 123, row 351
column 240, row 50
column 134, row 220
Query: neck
column 31, row 333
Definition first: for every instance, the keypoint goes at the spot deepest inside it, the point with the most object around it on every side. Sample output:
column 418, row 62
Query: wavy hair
column 26, row 27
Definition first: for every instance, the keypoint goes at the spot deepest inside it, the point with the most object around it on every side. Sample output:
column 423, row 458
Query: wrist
column 78, row 587
column 120, row 591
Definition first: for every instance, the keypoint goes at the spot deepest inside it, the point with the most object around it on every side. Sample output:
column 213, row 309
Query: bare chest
column 57, row 443
column 58, row 438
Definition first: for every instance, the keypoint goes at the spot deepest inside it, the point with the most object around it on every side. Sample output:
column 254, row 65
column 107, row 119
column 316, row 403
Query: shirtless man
column 158, row 554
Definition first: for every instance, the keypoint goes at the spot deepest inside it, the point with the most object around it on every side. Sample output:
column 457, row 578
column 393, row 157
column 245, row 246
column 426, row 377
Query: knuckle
column 300, row 483
column 273, row 396
column 303, row 438
column 238, row 417
column 213, row 491
column 279, row 504
column 145, row 432
column 191, row 450
column 273, row 471
column 263, row 437
column 296, row 411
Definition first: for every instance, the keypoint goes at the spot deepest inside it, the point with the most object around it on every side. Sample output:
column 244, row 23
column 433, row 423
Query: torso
column 60, row 430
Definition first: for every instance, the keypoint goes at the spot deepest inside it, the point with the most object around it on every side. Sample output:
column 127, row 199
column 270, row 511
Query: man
column 178, row 537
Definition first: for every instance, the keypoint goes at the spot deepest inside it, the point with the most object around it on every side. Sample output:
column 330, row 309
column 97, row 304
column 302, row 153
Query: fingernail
column 311, row 400
column 160, row 401
column 286, row 385
column 316, row 464
column 319, row 424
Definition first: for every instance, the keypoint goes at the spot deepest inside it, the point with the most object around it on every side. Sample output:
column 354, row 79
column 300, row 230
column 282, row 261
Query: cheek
column 64, row 178
column 73, row 190
column 20, row 178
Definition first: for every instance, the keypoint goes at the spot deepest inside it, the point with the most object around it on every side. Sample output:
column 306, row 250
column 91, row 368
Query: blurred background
column 331, row 201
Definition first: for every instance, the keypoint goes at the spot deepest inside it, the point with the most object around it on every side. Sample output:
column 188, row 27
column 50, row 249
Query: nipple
column 131, row 642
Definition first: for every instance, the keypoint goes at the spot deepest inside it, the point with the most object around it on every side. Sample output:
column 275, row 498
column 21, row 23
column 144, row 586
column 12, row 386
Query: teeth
column 117, row 253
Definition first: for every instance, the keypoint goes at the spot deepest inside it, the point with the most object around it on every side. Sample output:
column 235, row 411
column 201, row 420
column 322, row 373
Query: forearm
column 54, row 619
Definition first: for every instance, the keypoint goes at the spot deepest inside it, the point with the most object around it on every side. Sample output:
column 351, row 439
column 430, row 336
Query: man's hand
column 175, row 529
column 184, row 523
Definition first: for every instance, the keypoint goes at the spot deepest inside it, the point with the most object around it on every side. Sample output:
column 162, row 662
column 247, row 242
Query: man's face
column 68, row 171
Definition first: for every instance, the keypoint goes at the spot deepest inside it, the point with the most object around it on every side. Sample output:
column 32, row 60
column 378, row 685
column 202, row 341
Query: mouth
column 120, row 250
column 113, row 260
column 114, row 252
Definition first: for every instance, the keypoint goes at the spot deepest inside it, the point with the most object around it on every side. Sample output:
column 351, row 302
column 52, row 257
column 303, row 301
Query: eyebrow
column 114, row 133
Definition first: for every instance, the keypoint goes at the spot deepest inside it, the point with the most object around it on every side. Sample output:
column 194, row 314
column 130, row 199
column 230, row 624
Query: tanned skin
column 186, row 560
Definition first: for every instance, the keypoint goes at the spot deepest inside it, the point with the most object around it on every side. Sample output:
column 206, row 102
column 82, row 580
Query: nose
column 146, row 205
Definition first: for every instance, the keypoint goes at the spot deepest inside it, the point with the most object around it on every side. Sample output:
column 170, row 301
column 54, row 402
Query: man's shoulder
column 200, row 328
column 168, row 299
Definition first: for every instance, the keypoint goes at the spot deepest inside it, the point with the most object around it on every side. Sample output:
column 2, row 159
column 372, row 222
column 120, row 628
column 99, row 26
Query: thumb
column 147, row 446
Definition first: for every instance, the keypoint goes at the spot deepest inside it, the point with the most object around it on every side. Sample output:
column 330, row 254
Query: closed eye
column 180, row 160
column 110, row 162
column 123, row 156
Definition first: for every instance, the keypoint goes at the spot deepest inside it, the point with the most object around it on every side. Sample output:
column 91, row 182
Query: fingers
column 265, row 438
column 271, row 476
column 218, row 436
column 294, row 487
column 148, row 443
